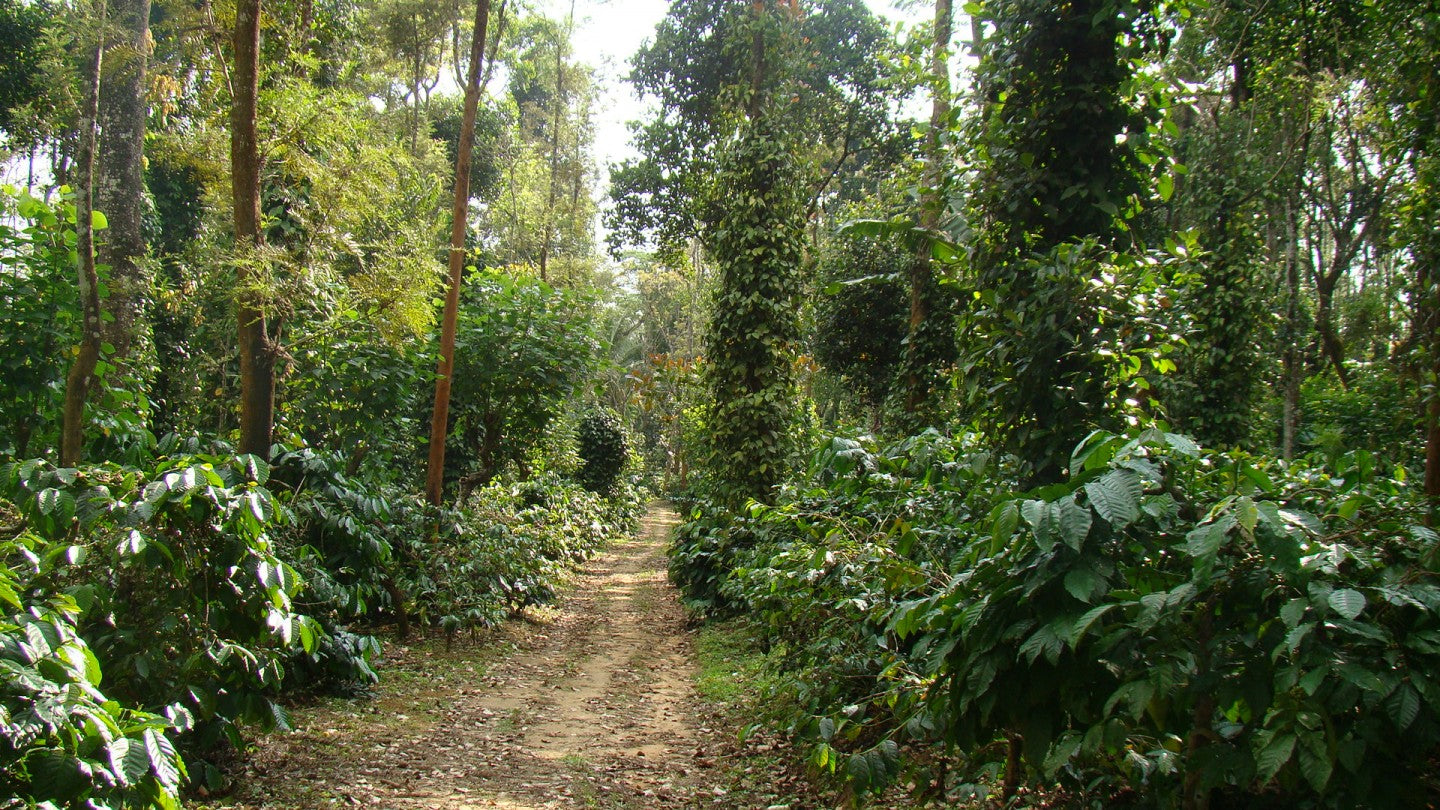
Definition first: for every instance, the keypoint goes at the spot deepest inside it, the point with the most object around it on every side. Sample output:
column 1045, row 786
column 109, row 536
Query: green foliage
column 508, row 547
column 1058, row 178
column 357, row 392
column 25, row 97
column 698, row 67
column 1376, row 413
column 1164, row 620
column 753, row 329
column 1071, row 343
column 604, row 451
column 522, row 349
column 39, row 316
column 190, row 540
column 861, row 320
column 62, row 740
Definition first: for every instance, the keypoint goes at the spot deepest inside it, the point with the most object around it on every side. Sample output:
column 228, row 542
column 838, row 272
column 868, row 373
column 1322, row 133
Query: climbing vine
column 754, row 327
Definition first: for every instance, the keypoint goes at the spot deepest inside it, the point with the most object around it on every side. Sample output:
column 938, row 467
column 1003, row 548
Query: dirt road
column 593, row 706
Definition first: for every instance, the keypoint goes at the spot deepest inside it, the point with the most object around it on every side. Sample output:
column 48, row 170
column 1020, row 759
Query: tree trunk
column 120, row 185
column 555, row 121
column 82, row 371
column 920, row 362
column 439, row 418
column 1293, row 363
column 257, row 350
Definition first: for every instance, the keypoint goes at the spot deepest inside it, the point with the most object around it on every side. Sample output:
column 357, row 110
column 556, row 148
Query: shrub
column 604, row 451
column 183, row 600
column 507, row 547
column 1166, row 621
column 61, row 739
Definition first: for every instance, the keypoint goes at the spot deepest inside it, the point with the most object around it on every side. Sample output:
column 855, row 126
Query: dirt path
column 594, row 708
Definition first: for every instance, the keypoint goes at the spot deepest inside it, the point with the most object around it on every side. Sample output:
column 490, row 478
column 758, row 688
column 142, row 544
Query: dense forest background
column 1052, row 387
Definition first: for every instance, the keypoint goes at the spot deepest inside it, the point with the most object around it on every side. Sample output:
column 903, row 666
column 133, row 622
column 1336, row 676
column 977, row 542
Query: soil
column 590, row 703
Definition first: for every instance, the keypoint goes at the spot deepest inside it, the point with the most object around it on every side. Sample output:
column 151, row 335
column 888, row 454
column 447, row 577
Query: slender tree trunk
column 555, row 121
column 440, row 417
column 919, row 364
column 120, row 184
column 1294, row 367
column 257, row 350
column 82, row 371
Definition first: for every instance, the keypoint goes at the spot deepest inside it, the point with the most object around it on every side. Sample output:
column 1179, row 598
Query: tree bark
column 920, row 371
column 1292, row 361
column 257, row 350
column 440, row 417
column 82, row 371
column 120, row 185
column 555, row 121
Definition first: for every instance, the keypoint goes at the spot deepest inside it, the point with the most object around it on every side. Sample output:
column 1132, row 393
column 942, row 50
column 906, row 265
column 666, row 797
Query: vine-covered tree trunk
column 1055, row 178
column 757, row 244
column 257, row 347
column 930, row 341
column 460, row 214
column 82, row 372
column 120, row 181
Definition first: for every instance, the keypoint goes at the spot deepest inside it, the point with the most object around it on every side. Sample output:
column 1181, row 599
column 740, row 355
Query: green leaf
column 1083, row 584
column 98, row 221
column 163, row 758
column 1348, row 602
column 1315, row 763
column 1296, row 635
column 859, row 769
column 1404, row 706
column 1043, row 642
column 1075, row 521
column 1061, row 752
column 1005, row 519
column 1037, row 514
column 1293, row 611
column 1273, row 755
column 1116, row 496
column 1082, row 624
column 1206, row 540
column 128, row 759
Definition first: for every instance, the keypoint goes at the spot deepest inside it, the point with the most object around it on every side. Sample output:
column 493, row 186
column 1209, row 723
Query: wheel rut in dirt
column 595, row 708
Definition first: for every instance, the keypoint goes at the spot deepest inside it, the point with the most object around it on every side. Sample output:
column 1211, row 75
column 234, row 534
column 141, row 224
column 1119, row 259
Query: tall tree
column 119, row 190
column 756, row 241
column 459, row 227
column 1403, row 65
column 930, row 341
column 1056, row 176
column 838, row 111
column 258, row 348
column 82, row 371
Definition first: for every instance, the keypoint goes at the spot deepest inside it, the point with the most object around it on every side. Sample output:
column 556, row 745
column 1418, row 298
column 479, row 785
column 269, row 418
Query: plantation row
column 150, row 612
column 1166, row 624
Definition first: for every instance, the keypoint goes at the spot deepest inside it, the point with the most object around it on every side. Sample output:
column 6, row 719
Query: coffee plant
column 604, row 451
column 1187, row 623
column 63, row 741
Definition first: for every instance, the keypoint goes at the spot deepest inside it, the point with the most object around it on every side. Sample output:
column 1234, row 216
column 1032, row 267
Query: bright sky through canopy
column 609, row 32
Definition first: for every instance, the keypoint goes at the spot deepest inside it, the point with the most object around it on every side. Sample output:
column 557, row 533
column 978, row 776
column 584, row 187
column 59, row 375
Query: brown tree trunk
column 82, row 371
column 120, row 182
column 440, row 417
column 257, row 350
column 1292, row 362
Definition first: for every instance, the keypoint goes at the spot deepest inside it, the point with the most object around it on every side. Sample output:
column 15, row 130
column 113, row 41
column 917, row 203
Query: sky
column 609, row 32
